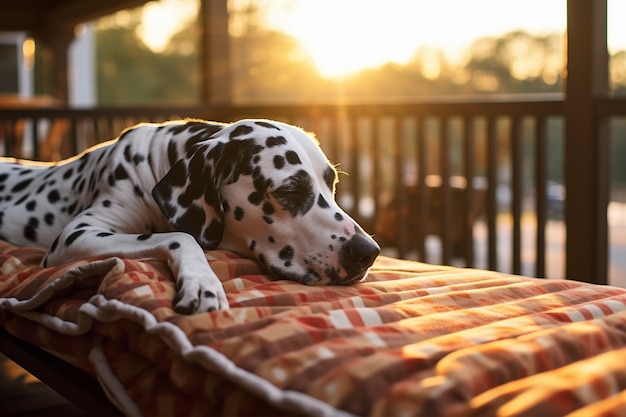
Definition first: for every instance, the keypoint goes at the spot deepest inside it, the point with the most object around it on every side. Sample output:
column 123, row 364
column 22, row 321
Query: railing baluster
column 355, row 167
column 400, row 187
column 492, row 187
column 422, row 210
column 376, row 172
column 446, row 192
column 34, row 136
column 517, row 189
column 469, row 162
column 541, row 179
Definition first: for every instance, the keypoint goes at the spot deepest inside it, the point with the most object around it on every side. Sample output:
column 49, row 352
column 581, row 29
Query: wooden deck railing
column 416, row 170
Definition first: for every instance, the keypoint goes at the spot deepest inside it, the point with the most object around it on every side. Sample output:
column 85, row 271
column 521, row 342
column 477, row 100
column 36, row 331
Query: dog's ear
column 189, row 198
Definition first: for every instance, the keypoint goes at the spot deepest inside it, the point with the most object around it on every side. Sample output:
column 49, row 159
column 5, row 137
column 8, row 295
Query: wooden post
column 586, row 142
column 215, row 67
column 56, row 46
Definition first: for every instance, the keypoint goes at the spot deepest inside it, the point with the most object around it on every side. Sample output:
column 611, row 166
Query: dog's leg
column 198, row 288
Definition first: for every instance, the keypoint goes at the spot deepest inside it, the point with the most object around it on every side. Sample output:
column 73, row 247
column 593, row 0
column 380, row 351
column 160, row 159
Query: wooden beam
column 586, row 142
column 68, row 13
column 215, row 67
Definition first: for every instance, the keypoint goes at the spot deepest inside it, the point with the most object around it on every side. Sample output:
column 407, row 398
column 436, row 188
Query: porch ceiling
column 50, row 17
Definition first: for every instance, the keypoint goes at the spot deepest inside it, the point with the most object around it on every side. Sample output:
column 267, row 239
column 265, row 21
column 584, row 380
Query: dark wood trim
column 75, row 385
column 586, row 143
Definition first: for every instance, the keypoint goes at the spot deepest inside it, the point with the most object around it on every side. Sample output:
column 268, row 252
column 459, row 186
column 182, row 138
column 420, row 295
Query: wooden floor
column 21, row 394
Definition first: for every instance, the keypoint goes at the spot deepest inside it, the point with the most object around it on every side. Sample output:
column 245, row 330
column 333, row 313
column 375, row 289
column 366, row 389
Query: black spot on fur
column 53, row 196
column 138, row 158
column 104, row 234
column 268, row 208
column 271, row 239
column 267, row 125
column 252, row 245
column 31, row 205
column 30, row 230
column 275, row 141
column 256, row 198
column 293, row 158
column 321, row 201
column 72, row 208
column 172, row 152
column 279, row 162
column 81, row 186
column 240, row 130
column 268, row 219
column 138, row 191
column 68, row 174
column 21, row 185
column 83, row 162
column 330, row 176
column 3, row 177
column 71, row 238
column 261, row 184
column 48, row 218
column 143, row 237
column 174, row 245
column 120, row 173
column 338, row 217
column 286, row 254
column 127, row 155
column 21, row 199
column 106, row 203
column 238, row 213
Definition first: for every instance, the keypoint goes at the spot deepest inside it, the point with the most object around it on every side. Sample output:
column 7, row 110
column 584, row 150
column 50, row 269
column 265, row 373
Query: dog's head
column 265, row 189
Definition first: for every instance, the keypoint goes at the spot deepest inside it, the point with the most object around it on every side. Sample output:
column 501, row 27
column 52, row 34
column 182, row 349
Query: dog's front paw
column 199, row 296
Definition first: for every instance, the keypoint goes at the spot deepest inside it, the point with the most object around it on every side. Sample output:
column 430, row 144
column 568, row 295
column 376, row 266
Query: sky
column 344, row 36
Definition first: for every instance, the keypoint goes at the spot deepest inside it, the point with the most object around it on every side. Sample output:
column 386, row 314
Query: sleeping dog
column 263, row 189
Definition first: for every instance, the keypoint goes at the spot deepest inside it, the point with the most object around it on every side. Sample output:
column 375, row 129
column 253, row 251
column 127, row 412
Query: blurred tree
column 130, row 73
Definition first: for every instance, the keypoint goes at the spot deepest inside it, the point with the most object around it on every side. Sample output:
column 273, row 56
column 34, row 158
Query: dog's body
column 259, row 188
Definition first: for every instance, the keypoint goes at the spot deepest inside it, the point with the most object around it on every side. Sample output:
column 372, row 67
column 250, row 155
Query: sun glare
column 346, row 36
column 162, row 20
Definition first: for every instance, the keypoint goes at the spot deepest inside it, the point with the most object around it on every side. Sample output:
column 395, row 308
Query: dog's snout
column 358, row 254
column 363, row 251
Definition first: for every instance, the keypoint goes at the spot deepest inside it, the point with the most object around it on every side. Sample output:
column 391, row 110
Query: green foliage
column 130, row 73
column 270, row 67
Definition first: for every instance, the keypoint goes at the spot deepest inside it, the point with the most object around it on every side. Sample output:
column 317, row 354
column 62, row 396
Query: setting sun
column 346, row 36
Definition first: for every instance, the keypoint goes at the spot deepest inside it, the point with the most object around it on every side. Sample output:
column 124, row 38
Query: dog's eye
column 296, row 193
column 330, row 178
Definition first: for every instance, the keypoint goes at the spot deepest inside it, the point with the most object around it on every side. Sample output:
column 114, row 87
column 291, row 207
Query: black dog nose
column 361, row 252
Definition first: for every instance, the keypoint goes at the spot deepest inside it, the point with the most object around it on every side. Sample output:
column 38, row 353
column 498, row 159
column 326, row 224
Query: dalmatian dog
column 260, row 188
